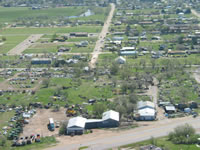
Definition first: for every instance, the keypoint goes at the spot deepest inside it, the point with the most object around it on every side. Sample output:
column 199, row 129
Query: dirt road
column 196, row 75
column 25, row 44
column 100, row 42
column 113, row 139
column 194, row 12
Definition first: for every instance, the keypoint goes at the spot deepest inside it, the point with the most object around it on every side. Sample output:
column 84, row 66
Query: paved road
column 102, row 35
column 25, row 44
column 157, row 129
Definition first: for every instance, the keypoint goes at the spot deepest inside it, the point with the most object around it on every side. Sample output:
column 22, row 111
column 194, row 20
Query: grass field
column 53, row 48
column 11, row 14
column 4, row 117
column 162, row 142
column 11, row 42
column 72, row 94
column 28, row 31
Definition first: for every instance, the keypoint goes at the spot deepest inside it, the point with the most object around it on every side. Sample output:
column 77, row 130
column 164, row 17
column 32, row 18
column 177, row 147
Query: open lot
column 38, row 123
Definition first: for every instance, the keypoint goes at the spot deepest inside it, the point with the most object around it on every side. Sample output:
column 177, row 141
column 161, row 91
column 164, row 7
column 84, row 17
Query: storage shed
column 76, row 126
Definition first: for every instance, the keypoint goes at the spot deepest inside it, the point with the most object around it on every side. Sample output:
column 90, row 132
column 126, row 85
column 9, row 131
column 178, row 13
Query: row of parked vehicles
column 26, row 140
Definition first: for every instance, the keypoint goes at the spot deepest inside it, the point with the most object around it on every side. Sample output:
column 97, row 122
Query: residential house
column 145, row 111
column 145, row 104
column 146, row 114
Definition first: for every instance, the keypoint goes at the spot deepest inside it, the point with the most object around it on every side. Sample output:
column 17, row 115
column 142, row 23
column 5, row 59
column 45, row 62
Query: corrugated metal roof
column 146, row 112
column 93, row 120
column 111, row 115
column 77, row 121
column 142, row 104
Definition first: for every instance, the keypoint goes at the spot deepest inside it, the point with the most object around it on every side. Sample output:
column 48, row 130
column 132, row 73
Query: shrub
column 184, row 134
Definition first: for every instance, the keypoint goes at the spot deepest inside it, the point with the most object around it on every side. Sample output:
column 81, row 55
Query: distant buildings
column 38, row 61
column 79, row 34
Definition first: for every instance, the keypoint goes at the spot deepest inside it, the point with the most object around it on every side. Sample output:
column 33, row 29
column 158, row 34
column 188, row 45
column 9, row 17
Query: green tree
column 98, row 109
column 114, row 68
column 184, row 134
column 45, row 83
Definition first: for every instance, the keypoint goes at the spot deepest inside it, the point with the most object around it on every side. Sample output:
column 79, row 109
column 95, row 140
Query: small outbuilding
column 120, row 60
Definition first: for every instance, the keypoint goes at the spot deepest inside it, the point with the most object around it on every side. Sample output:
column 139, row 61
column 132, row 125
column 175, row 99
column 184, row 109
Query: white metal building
column 76, row 125
column 145, row 104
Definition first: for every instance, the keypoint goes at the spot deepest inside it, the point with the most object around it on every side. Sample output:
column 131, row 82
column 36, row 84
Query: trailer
column 51, row 125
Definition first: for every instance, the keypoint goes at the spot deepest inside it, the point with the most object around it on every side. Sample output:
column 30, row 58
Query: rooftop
column 111, row 115
column 77, row 121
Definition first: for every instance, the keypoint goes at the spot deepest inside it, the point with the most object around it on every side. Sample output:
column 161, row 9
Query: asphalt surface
column 157, row 129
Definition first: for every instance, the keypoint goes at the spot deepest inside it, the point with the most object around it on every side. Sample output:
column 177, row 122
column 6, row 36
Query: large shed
column 76, row 125
column 110, row 119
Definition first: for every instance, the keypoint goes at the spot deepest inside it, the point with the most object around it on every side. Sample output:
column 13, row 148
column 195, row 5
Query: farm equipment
column 70, row 112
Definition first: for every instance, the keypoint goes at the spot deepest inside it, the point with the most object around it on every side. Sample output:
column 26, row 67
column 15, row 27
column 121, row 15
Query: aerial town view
column 99, row 74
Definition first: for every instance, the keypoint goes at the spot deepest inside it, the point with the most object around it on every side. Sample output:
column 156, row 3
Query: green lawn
column 72, row 94
column 4, row 117
column 11, row 14
column 11, row 42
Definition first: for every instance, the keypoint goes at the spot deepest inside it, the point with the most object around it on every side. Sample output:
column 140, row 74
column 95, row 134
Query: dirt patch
column 38, row 123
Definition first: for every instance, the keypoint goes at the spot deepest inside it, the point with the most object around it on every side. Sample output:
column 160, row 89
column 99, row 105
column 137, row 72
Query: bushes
column 184, row 134
column 62, row 129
